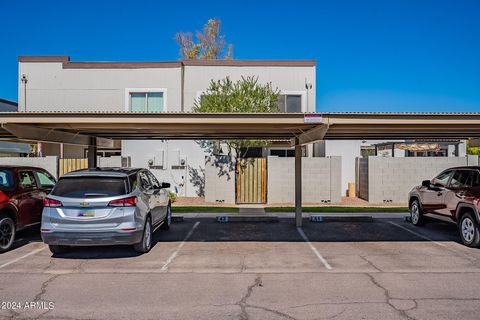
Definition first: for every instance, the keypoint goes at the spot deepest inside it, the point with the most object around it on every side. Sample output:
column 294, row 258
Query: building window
column 146, row 101
column 105, row 153
column 290, row 102
column 150, row 100
column 367, row 151
column 286, row 153
column 251, row 152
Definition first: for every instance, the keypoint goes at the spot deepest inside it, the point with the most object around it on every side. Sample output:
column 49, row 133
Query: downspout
column 24, row 80
column 182, row 87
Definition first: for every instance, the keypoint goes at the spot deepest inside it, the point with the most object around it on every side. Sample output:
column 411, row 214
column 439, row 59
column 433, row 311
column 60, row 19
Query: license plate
column 86, row 214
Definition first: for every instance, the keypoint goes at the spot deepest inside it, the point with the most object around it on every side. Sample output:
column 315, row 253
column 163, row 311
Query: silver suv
column 105, row 206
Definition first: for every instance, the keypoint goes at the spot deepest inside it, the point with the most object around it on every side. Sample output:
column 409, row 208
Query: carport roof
column 75, row 127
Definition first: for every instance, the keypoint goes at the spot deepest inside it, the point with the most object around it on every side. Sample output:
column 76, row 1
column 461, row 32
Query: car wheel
column 7, row 233
column 56, row 249
column 416, row 216
column 168, row 219
column 146, row 244
column 469, row 231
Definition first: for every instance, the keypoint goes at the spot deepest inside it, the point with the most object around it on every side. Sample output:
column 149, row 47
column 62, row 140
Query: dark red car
column 22, row 190
column 453, row 195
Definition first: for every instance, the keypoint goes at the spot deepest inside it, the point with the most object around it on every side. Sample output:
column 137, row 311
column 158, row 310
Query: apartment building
column 54, row 83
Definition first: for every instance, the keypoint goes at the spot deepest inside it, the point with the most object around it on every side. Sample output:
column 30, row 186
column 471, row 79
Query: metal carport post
column 298, row 183
column 92, row 153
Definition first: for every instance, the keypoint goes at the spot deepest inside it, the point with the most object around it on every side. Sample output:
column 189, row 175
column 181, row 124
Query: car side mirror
column 165, row 185
column 426, row 183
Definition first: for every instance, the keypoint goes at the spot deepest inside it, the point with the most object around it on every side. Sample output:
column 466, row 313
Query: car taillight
column 125, row 202
column 3, row 197
column 52, row 203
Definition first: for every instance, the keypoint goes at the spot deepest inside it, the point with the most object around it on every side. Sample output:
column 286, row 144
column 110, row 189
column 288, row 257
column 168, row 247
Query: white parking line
column 319, row 256
column 175, row 253
column 417, row 234
column 22, row 257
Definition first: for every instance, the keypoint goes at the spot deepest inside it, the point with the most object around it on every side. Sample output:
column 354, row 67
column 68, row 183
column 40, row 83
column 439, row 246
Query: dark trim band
column 167, row 64
column 43, row 59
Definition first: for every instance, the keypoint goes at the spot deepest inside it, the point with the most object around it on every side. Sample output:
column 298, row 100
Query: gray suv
column 105, row 206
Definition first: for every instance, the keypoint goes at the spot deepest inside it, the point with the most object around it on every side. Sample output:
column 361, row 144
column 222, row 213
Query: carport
column 296, row 129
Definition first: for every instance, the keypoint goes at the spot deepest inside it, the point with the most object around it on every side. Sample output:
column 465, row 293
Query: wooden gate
column 67, row 165
column 251, row 181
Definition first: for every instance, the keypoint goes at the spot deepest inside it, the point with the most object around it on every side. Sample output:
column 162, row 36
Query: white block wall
column 115, row 161
column 391, row 179
column 47, row 163
column 219, row 182
column 50, row 163
column 321, row 180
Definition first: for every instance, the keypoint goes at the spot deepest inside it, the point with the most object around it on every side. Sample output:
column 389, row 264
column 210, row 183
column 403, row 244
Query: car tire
column 56, row 249
column 416, row 215
column 469, row 230
column 168, row 219
column 7, row 232
column 146, row 244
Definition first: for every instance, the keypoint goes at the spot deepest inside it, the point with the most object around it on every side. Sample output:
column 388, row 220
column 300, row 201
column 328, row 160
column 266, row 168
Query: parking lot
column 202, row 269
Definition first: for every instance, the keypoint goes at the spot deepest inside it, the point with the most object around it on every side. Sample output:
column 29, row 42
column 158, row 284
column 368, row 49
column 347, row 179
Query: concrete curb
column 319, row 218
column 246, row 218
column 177, row 219
column 285, row 215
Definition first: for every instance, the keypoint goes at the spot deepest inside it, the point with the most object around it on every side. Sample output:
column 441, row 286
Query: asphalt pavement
column 203, row 269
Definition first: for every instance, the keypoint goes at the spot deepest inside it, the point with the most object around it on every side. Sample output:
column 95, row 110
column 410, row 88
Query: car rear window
column 89, row 187
column 6, row 181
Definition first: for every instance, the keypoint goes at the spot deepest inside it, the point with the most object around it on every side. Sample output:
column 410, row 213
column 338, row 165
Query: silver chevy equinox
column 105, row 206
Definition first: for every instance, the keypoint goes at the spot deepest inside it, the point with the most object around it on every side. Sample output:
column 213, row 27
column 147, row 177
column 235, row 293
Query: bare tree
column 208, row 45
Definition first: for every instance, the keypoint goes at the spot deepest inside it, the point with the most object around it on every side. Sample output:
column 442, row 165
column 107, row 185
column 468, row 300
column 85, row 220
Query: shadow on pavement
column 208, row 230
column 285, row 231
column 26, row 236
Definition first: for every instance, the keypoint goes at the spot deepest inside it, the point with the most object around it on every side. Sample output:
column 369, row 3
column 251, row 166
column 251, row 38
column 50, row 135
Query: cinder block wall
column 219, row 180
column 47, row 163
column 321, row 180
column 390, row 179
column 115, row 161
column 50, row 163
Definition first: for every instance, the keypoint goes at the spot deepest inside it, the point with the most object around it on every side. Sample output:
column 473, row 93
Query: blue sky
column 389, row 55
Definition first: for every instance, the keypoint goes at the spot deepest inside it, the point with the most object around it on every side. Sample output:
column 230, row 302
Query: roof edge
column 43, row 58
column 251, row 63
column 10, row 102
column 121, row 65
column 67, row 64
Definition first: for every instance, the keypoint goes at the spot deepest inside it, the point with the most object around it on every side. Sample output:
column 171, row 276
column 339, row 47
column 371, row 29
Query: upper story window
column 287, row 102
column 145, row 100
column 290, row 102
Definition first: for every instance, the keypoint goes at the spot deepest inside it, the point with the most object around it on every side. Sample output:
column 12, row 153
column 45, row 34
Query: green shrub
column 173, row 196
